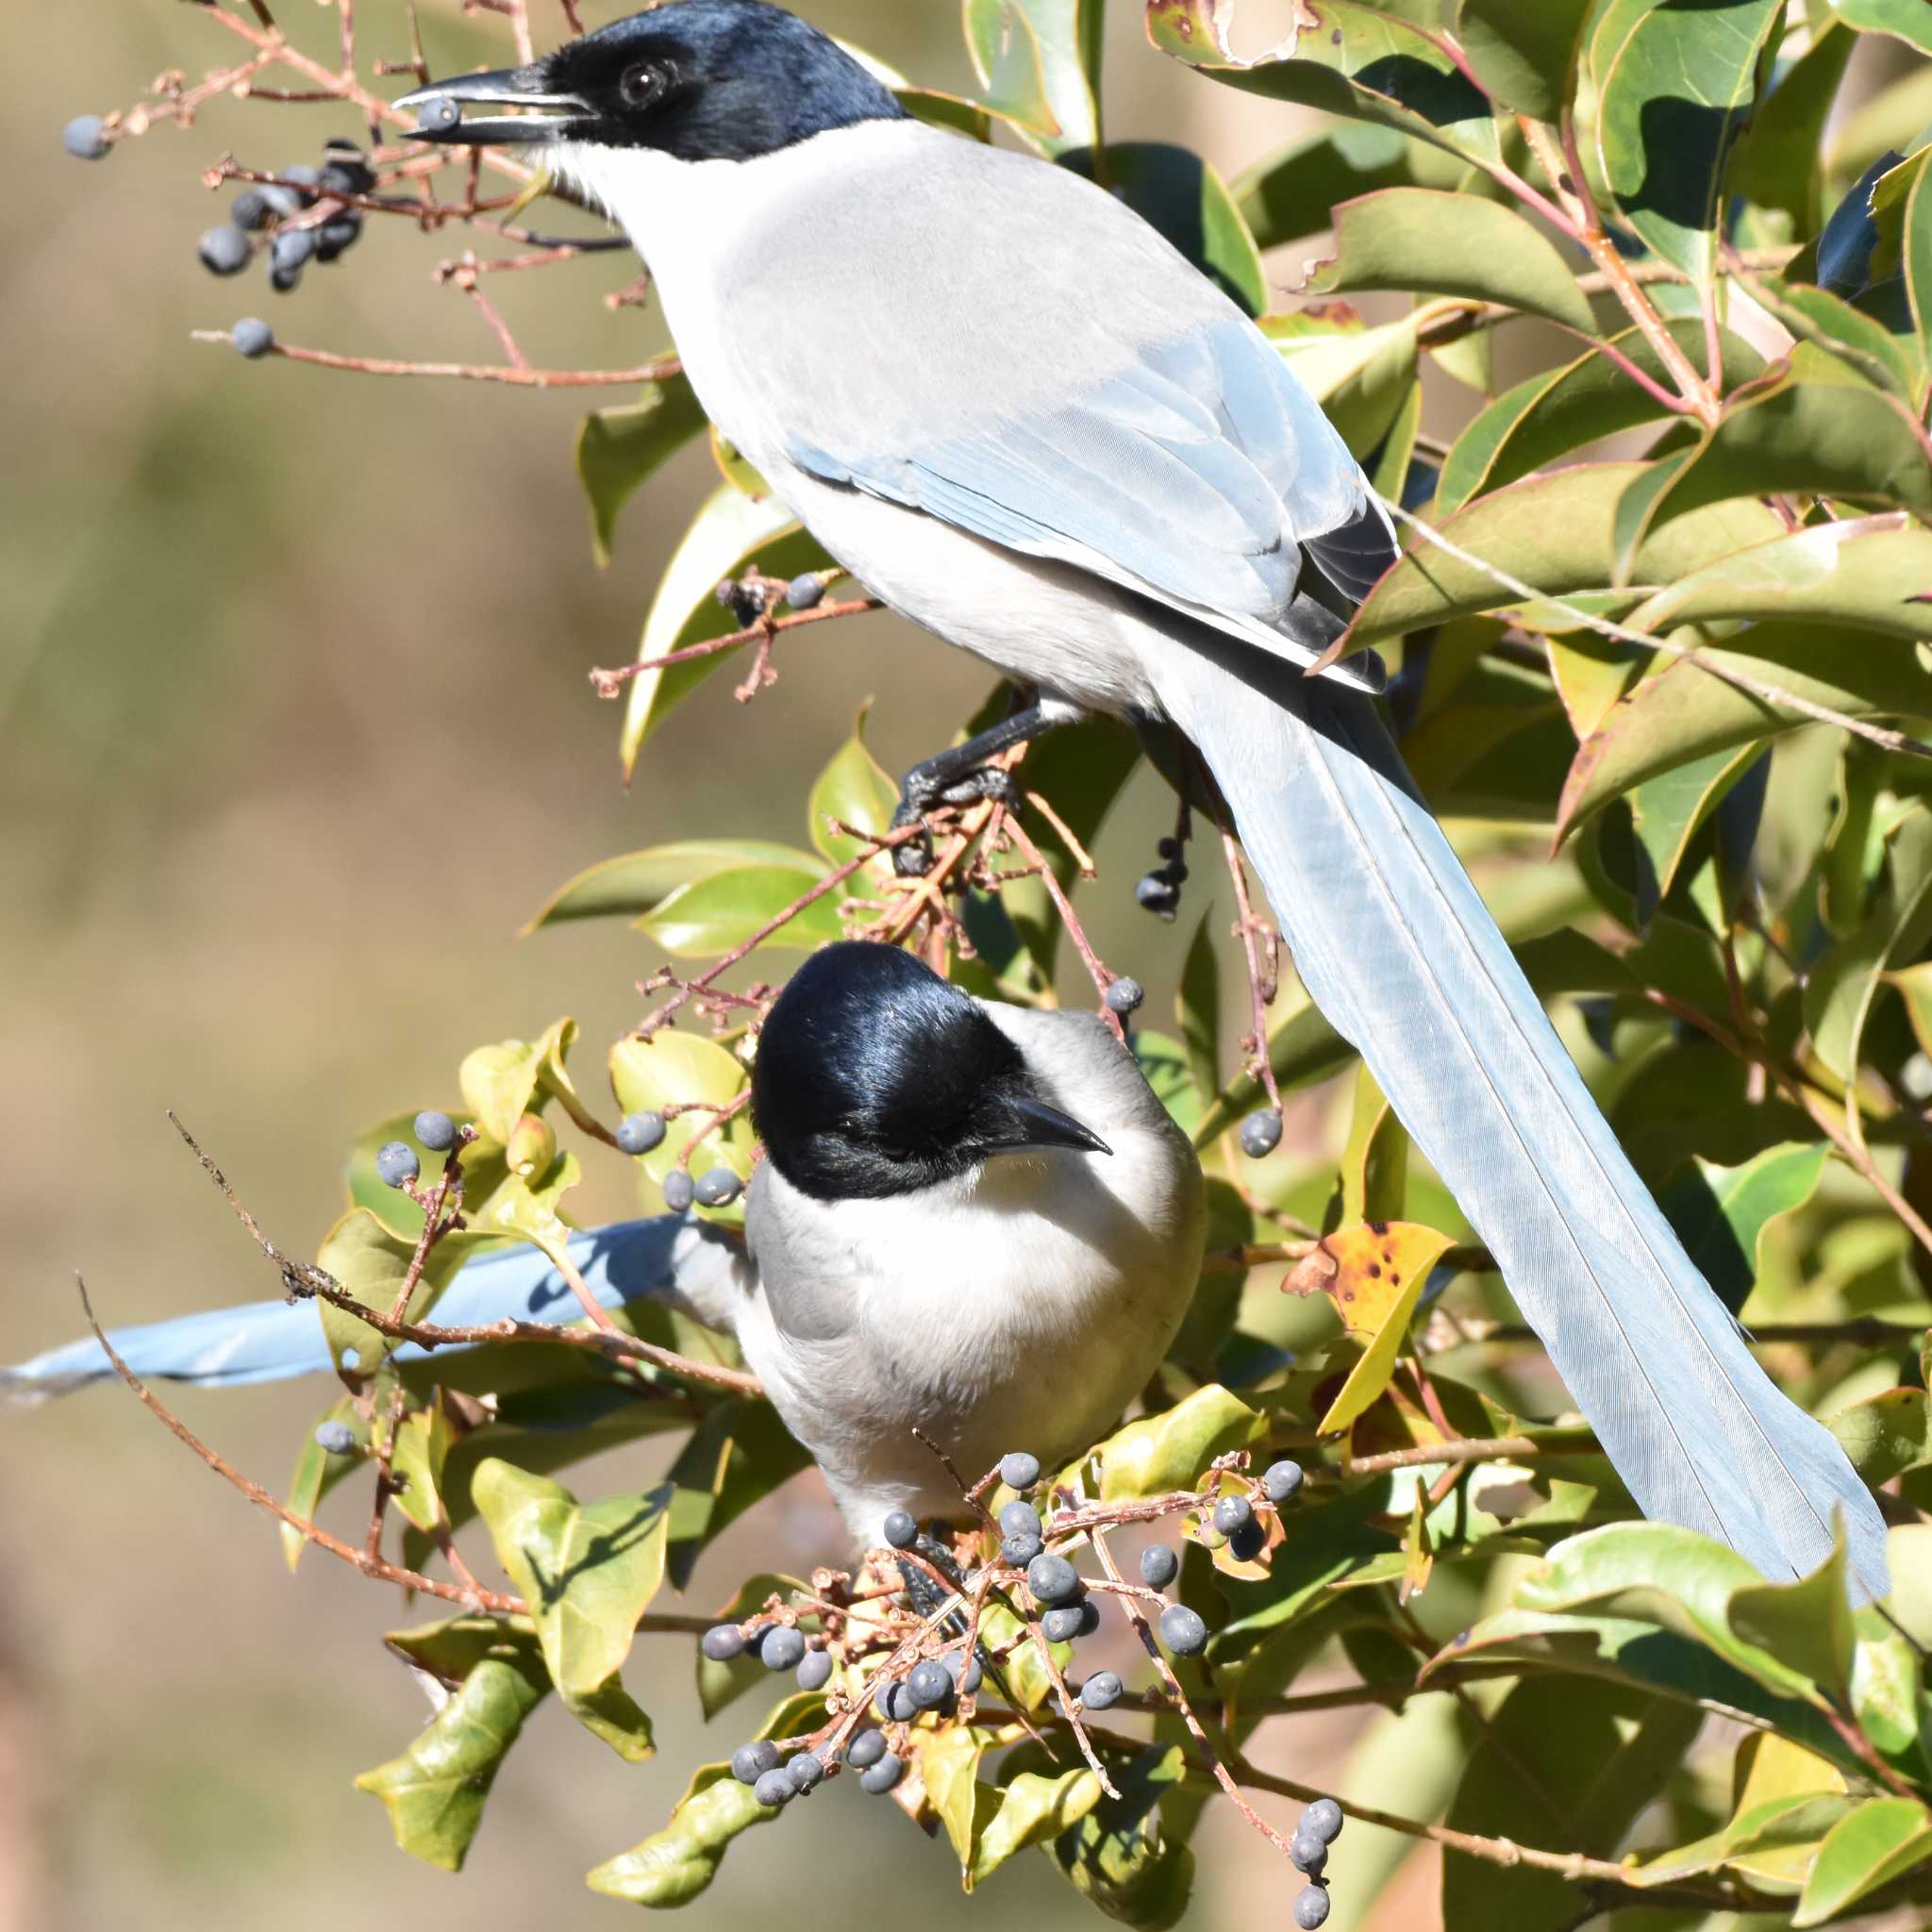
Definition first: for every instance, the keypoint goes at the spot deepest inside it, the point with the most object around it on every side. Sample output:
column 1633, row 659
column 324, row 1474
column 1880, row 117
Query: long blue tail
column 1396, row 947
column 666, row 1257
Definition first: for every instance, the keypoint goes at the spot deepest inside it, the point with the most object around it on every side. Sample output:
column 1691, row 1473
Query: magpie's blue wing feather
column 666, row 1257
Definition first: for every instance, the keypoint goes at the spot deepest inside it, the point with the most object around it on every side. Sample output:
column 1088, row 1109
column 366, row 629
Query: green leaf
column 1860, row 341
column 1036, row 61
column 435, row 1792
column 1172, row 1450
column 1115, row 1856
column 857, row 790
column 1904, row 20
column 1668, row 811
column 316, row 1474
column 1028, row 1810
column 422, row 1449
column 1548, row 415
column 500, row 1082
column 1867, row 571
column 716, row 915
column 1843, row 985
column 1673, row 96
column 1451, row 245
column 636, row 884
column 1778, row 163
column 731, row 533
column 1887, row 1435
column 673, row 1069
column 1681, row 712
column 1182, row 196
column 588, row 1575
column 1522, row 51
column 1374, row 1273
column 1806, row 1624
column 372, row 1264
column 1721, row 1213
column 1375, row 1163
column 1772, row 1845
column 618, row 451
column 1882, row 1839
column 949, row 1768
column 722, row 1683
column 672, row 1866
column 735, row 1458
column 1197, row 1008
column 1817, row 429
column 1354, row 60
column 1294, row 192
column 1569, row 1762
column 1553, row 532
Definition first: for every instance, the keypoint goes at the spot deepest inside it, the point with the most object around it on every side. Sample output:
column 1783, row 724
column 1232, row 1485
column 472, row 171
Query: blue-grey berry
column 679, row 1190
column 1323, row 1819
column 774, row 1788
column 639, row 1133
column 346, row 174
column 1125, row 996
column 805, row 1772
column 224, row 251
column 333, row 237
column 1308, row 1853
column 893, row 1700
column 434, row 1130
column 900, row 1529
column 1232, row 1513
column 1169, row 848
column 868, row 1747
column 1282, row 1481
column 1066, row 1622
column 750, row 1762
column 1156, row 893
column 438, row 115
column 1019, row 1519
column 1247, row 1542
column 249, row 209
column 304, row 179
column 805, row 592
column 86, row 136
column 1018, row 1551
column 1052, row 1580
column 282, row 202
column 815, row 1673
column 722, row 1643
column 285, row 281
column 292, row 249
column 1262, row 1133
column 1159, row 1566
column 1183, row 1630
column 396, row 1163
column 718, row 1187
column 1018, row 1471
column 1101, row 1692
column 1311, row 1908
column 335, row 1438
column 967, row 1678
column 883, row 1775
column 928, row 1684
column 252, row 338
column 782, row 1648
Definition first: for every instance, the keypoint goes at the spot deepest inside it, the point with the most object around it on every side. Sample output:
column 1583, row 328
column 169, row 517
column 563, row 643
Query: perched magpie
column 975, row 1220
column 1022, row 419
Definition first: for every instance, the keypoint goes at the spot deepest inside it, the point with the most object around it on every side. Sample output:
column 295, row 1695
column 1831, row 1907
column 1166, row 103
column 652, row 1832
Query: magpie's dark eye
column 641, row 84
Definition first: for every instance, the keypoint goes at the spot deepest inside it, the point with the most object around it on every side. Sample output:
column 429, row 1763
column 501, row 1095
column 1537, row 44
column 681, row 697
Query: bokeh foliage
column 1719, row 882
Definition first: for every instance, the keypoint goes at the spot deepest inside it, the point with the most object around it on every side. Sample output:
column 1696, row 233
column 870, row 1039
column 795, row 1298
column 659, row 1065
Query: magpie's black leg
column 925, row 1595
column 959, row 776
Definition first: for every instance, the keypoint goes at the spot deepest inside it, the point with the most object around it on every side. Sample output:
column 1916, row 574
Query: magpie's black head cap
column 713, row 80
column 875, row 1077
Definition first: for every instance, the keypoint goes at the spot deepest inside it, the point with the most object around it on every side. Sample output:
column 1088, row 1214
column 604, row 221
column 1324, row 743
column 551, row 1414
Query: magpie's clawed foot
column 936, row 784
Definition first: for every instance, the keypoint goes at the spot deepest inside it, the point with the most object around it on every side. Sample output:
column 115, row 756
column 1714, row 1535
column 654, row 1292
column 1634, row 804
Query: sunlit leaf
column 1882, row 1839
column 1173, row 1450
column 1522, row 51
column 638, row 882
column 620, row 450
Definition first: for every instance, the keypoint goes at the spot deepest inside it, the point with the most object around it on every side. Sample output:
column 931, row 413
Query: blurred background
column 294, row 733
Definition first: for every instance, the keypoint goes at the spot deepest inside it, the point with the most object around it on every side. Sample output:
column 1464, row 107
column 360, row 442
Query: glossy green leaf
column 588, row 1574
column 1026, row 1809
column 316, row 1474
column 618, row 451
column 733, row 1459
column 422, row 1449
column 1887, row 1435
column 1180, row 194
column 638, row 883
column 436, row 1791
column 1673, row 96
column 500, row 1082
column 1883, row 1839
column 1820, row 430
column 1294, row 192
column 1904, row 20
column 1771, row 1845
column 1116, row 1857
column 1172, row 1450
column 1681, row 712
column 1860, row 340
column 716, row 915
column 1779, row 161
column 1668, row 811
column 1346, row 58
column 1721, row 1213
column 1553, row 532
column 1843, row 984
column 1545, row 416
column 853, row 789
column 1197, row 1006
column 1450, row 244
column 1522, row 51
column 372, row 1264
column 674, row 1069
column 1806, row 1624
column 1569, row 1762
column 672, row 1866
column 1027, row 55
column 1376, row 1276
column 731, row 533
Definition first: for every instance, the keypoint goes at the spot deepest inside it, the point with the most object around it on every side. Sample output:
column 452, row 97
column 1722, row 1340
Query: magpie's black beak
column 442, row 109
column 1021, row 1125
